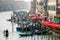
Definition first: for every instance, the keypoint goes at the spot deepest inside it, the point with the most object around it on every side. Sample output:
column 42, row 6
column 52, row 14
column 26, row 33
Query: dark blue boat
column 19, row 29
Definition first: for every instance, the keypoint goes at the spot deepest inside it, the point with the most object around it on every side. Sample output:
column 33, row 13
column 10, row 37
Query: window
column 51, row 8
column 58, row 4
column 41, row 3
column 58, row 11
column 52, row 0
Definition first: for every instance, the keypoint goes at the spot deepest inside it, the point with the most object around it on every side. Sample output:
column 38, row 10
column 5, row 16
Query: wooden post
column 12, row 27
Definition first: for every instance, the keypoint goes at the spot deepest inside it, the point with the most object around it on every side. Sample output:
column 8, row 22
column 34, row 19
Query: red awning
column 54, row 25
column 51, row 24
column 31, row 15
column 45, row 23
column 42, row 17
column 34, row 18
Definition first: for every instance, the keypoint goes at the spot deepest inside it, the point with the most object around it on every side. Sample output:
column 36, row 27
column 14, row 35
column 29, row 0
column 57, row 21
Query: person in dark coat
column 6, row 33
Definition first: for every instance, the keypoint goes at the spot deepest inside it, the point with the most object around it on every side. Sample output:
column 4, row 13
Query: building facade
column 51, row 6
column 40, row 7
column 58, row 9
column 31, row 11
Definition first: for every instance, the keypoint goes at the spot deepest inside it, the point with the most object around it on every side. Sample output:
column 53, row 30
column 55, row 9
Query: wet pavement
column 4, row 24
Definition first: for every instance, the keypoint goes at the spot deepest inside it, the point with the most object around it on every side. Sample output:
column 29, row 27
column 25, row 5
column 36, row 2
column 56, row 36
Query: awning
column 42, row 17
column 51, row 24
column 31, row 15
column 34, row 18
column 38, row 18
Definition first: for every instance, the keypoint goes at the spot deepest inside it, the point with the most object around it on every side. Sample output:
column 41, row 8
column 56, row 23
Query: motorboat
column 19, row 29
column 26, row 34
column 39, row 32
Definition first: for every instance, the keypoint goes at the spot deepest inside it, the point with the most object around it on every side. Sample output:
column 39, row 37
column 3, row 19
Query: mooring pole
column 12, row 23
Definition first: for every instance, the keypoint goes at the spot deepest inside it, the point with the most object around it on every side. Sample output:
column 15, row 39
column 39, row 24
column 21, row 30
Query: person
column 6, row 33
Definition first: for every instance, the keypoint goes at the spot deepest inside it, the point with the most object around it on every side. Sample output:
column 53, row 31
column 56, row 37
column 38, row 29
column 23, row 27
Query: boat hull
column 20, row 29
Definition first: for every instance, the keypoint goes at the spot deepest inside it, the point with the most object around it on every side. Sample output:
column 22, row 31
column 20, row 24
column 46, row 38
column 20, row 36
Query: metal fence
column 45, row 37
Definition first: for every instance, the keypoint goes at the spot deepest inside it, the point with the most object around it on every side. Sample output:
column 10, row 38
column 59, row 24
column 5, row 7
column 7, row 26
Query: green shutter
column 56, row 20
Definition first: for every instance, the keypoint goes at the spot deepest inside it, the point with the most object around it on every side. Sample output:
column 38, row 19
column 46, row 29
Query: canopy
column 42, row 17
column 34, row 18
column 31, row 15
column 51, row 24
column 38, row 18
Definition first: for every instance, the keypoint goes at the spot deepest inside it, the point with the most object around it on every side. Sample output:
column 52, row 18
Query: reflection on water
column 4, row 24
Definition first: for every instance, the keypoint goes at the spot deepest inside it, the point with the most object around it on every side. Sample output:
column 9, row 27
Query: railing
column 45, row 37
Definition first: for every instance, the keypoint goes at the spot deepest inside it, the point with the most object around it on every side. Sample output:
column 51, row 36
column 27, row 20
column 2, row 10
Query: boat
column 40, row 32
column 36, row 32
column 24, row 28
column 19, row 29
column 26, row 34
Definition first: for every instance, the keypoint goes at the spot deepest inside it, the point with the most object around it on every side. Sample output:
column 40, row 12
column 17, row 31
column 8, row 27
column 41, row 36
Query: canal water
column 4, row 24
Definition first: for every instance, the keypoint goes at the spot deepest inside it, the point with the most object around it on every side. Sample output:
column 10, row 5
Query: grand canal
column 4, row 24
